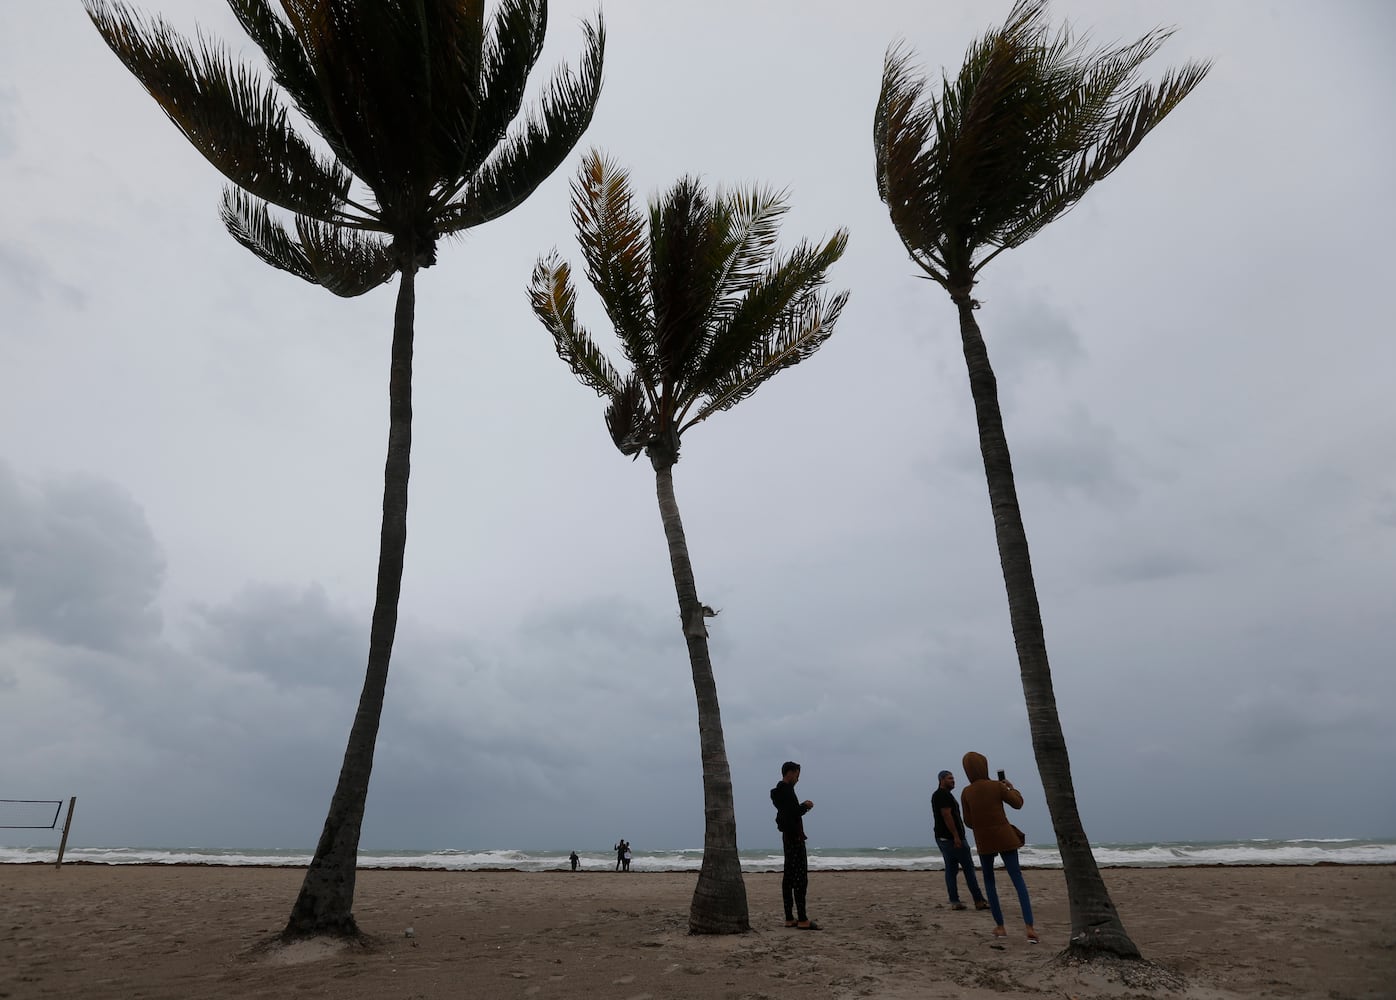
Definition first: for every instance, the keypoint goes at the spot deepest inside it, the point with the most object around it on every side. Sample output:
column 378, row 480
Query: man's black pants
column 795, row 881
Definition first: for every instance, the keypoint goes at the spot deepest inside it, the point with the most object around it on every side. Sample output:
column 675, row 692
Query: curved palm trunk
column 1095, row 925
column 326, row 901
column 719, row 901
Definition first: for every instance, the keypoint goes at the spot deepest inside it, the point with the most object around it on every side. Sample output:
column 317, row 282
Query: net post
column 67, row 824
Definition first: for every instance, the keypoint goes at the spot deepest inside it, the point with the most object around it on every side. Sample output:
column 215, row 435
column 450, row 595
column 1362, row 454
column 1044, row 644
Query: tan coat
column 981, row 804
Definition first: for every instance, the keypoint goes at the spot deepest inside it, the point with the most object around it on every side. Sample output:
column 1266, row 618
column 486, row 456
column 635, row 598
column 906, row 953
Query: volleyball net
column 30, row 814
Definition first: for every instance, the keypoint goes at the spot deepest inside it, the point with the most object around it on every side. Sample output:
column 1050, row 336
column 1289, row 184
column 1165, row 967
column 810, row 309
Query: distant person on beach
column 625, row 859
column 954, row 846
column 993, row 835
column 574, row 859
column 790, row 820
column 621, row 848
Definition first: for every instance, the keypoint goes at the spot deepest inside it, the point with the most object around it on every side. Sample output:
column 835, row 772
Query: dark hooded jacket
column 981, row 803
column 790, row 812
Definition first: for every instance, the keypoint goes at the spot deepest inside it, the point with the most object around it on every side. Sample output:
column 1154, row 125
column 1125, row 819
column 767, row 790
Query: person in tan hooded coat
column 981, row 804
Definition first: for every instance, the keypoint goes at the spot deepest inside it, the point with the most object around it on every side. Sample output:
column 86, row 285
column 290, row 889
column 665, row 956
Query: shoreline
column 1238, row 865
column 176, row 931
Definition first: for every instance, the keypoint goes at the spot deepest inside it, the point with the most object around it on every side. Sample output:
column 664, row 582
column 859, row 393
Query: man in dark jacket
column 790, row 813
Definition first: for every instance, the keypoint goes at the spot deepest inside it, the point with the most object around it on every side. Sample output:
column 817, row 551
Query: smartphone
column 1001, row 777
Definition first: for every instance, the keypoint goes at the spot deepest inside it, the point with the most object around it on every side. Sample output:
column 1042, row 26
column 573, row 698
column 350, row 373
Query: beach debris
column 409, row 933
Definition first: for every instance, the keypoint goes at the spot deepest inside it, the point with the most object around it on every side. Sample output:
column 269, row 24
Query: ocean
column 1171, row 855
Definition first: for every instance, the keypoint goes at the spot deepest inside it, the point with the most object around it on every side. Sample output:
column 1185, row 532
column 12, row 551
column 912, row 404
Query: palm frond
column 802, row 332
column 612, row 236
column 688, row 247
column 629, row 418
column 906, row 171
column 346, row 262
column 454, row 55
column 1065, row 102
column 727, row 312
column 250, row 223
column 742, row 240
column 769, row 304
column 290, row 68
column 993, row 138
column 1093, row 87
column 555, row 304
column 1144, row 108
column 1029, row 123
column 373, row 62
column 752, row 224
column 226, row 113
column 511, row 50
column 967, row 157
column 530, row 154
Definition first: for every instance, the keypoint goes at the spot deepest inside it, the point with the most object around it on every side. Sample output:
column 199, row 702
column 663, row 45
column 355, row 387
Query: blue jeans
column 958, row 857
column 1015, row 874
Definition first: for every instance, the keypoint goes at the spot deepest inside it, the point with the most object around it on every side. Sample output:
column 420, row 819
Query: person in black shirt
column 954, row 848
column 790, row 813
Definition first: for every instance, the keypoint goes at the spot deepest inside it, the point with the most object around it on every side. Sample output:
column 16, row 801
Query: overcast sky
column 1196, row 368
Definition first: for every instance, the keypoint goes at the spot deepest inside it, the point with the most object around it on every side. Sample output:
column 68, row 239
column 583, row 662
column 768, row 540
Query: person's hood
column 976, row 766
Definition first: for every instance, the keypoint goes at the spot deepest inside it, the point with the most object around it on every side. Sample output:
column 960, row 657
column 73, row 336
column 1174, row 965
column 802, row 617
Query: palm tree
column 705, row 312
column 416, row 102
column 1030, row 123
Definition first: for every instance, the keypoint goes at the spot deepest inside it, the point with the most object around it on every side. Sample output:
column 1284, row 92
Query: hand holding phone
column 1001, row 777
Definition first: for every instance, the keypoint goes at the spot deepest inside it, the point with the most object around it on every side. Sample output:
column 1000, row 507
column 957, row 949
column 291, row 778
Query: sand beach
column 175, row 932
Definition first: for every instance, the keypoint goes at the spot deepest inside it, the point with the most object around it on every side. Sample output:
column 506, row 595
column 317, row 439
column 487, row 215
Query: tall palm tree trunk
column 326, row 901
column 1095, row 925
column 719, row 902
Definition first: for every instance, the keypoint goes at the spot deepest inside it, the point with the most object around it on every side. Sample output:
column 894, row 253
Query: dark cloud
column 1074, row 453
column 292, row 638
column 78, row 562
